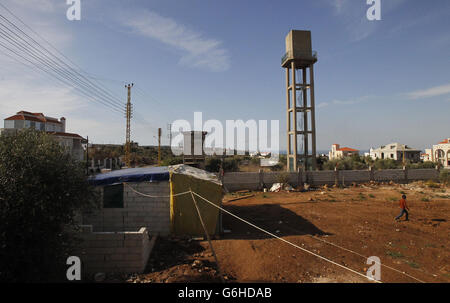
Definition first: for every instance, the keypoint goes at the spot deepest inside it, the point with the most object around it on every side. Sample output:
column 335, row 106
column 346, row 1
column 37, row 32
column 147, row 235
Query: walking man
column 404, row 209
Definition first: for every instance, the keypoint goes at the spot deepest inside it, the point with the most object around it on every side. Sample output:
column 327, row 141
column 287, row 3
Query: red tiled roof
column 38, row 117
column 22, row 117
column 59, row 134
column 444, row 142
column 347, row 149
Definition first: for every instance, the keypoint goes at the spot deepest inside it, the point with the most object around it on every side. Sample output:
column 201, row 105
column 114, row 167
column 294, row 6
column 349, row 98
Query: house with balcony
column 338, row 152
column 396, row 151
column 440, row 153
column 53, row 126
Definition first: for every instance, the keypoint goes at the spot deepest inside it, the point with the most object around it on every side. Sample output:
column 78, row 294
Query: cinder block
column 117, row 257
column 133, row 257
column 131, row 243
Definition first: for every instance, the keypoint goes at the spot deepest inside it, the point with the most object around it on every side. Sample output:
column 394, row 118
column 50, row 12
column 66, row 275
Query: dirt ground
column 360, row 220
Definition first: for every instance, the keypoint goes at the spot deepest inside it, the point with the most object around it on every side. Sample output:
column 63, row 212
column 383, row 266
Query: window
column 113, row 196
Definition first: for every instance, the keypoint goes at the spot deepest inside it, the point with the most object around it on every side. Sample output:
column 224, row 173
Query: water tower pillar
column 301, row 130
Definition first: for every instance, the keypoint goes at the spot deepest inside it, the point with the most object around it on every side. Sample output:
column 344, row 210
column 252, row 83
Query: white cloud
column 345, row 102
column 43, row 16
column 339, row 5
column 351, row 101
column 430, row 92
column 198, row 51
column 24, row 95
column 39, row 5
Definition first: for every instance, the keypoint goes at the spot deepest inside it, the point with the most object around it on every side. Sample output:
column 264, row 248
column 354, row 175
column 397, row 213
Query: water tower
column 194, row 148
column 301, row 125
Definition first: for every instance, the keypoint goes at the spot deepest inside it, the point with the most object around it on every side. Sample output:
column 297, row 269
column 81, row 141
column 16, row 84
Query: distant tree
column 41, row 190
column 444, row 177
column 277, row 167
column 387, row 164
column 231, row 164
column 427, row 164
column 172, row 161
column 213, row 164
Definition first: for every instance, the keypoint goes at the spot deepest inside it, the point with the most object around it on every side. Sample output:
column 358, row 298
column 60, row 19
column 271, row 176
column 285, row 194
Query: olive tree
column 41, row 190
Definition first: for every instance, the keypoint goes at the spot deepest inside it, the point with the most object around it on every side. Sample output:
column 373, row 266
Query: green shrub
column 427, row 164
column 172, row 161
column 444, row 176
column 213, row 164
column 255, row 161
column 231, row 164
column 431, row 184
column 277, row 167
column 283, row 178
column 41, row 190
column 387, row 164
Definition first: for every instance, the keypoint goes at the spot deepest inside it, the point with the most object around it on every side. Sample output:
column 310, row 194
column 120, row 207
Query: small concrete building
column 57, row 128
column 395, row 151
column 157, row 198
column 440, row 153
column 338, row 152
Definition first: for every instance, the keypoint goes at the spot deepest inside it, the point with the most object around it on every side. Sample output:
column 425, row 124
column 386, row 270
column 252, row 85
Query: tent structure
column 161, row 186
column 183, row 214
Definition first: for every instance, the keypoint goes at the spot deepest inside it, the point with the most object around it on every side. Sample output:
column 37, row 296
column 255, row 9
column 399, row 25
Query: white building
column 57, row 128
column 338, row 152
column 395, row 151
column 440, row 153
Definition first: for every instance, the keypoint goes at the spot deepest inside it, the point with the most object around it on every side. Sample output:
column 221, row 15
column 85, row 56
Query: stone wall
column 138, row 211
column 114, row 252
column 254, row 180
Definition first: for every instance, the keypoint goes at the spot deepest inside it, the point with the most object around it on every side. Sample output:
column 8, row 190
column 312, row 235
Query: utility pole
column 128, row 134
column 159, row 146
column 404, row 160
column 87, row 155
column 169, row 129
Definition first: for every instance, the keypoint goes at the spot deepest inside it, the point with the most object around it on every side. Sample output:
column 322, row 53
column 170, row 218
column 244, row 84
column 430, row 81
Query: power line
column 46, row 68
column 73, row 72
column 58, row 78
column 37, row 34
column 49, row 66
column 26, row 48
column 51, row 63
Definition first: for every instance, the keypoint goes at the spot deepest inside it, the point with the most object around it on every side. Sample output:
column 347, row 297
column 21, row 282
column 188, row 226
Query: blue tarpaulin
column 141, row 174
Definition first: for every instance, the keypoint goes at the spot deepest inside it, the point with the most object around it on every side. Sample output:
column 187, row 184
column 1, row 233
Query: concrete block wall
column 240, row 180
column 423, row 174
column 114, row 252
column 357, row 176
column 138, row 211
column 319, row 177
column 396, row 175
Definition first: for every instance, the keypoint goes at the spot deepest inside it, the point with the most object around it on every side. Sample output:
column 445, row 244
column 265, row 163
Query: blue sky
column 376, row 81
